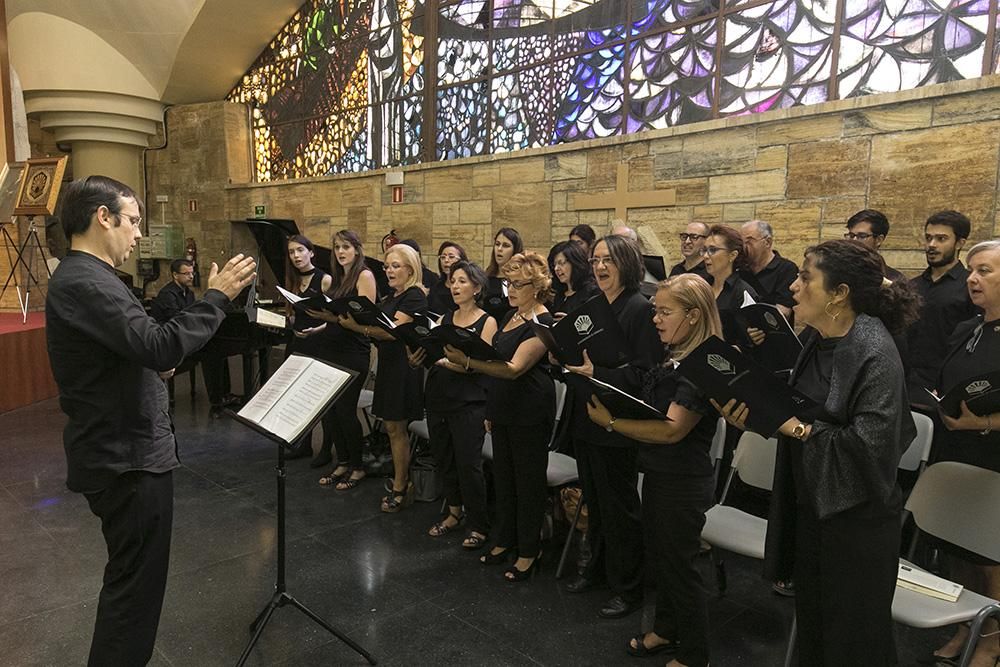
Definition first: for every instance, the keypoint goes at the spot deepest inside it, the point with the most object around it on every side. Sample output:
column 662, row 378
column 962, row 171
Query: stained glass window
column 352, row 85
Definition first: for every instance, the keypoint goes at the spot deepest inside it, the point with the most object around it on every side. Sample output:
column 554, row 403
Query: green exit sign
column 259, row 211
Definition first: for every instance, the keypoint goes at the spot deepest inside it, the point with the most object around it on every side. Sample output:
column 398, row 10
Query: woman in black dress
column 304, row 279
column 520, row 409
column 506, row 244
column 439, row 299
column 607, row 461
column 585, row 236
column 398, row 387
column 971, row 438
column 351, row 350
column 725, row 255
column 574, row 281
column 679, row 478
column 835, row 507
column 456, row 404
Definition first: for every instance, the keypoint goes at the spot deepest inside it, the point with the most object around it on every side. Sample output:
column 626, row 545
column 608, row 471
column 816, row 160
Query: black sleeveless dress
column 313, row 346
column 399, row 394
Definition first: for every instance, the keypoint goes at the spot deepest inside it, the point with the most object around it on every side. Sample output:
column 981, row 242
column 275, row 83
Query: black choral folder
column 420, row 334
column 467, row 341
column 592, row 327
column 980, row 392
column 781, row 347
column 722, row 372
column 622, row 405
column 362, row 310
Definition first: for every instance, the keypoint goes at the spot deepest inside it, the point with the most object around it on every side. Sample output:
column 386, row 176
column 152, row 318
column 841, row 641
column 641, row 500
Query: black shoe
column 321, row 460
column 582, row 584
column 230, row 400
column 619, row 607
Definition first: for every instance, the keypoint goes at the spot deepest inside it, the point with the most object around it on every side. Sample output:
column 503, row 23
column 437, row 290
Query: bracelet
column 368, row 332
column 989, row 426
column 468, row 360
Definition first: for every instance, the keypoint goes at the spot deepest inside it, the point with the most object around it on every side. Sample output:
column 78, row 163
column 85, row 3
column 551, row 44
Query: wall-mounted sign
column 259, row 211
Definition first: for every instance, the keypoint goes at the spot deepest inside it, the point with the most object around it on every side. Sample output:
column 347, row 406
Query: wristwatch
column 799, row 432
column 610, row 428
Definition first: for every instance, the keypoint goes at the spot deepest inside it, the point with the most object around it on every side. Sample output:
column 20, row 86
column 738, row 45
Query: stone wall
column 805, row 170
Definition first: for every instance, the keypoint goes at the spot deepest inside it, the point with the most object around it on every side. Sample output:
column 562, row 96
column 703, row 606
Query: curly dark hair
column 733, row 241
column 580, row 274
column 859, row 267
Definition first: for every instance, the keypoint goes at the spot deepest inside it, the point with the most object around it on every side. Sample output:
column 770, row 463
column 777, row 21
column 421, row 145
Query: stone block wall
column 804, row 170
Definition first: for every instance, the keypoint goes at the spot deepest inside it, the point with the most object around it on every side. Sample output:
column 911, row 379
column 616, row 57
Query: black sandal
column 333, row 478
column 474, row 540
column 348, row 482
column 441, row 528
column 495, row 559
column 397, row 500
column 641, row 651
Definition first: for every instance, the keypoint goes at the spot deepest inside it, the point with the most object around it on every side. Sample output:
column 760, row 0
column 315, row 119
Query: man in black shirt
column 108, row 358
column 176, row 295
column 771, row 274
column 946, row 301
column 692, row 241
column 870, row 227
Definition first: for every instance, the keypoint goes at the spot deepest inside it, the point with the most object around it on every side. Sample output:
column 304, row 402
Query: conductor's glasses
column 134, row 220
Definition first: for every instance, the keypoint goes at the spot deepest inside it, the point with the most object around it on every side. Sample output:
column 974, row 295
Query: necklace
column 524, row 318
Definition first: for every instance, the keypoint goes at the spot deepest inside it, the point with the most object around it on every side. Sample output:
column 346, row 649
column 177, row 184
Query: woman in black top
column 398, row 387
column 835, row 508
column 439, row 299
column 350, row 349
column 456, row 403
column 585, row 236
column 679, row 477
column 968, row 437
column 725, row 255
column 304, row 279
column 506, row 244
column 574, row 281
column 520, row 409
column 607, row 461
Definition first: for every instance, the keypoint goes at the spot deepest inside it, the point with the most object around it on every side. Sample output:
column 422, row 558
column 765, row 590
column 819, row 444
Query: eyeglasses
column 606, row 261
column 857, row 236
column 395, row 267
column 710, row 250
column 134, row 220
column 751, row 239
column 185, row 273
column 520, row 284
column 684, row 237
column 448, row 257
column 666, row 312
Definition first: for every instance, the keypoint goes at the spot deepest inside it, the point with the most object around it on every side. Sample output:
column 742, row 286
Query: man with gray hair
column 770, row 274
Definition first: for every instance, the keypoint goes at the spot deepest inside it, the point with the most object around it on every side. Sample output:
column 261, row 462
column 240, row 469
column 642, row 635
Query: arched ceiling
column 173, row 51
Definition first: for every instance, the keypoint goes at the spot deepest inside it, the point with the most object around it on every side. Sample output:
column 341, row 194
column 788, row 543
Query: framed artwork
column 40, row 184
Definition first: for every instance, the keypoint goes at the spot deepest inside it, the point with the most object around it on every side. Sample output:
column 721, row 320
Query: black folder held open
column 721, row 372
column 981, row 394
column 622, row 405
column 592, row 327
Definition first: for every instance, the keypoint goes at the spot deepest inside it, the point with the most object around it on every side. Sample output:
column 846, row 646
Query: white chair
column 718, row 448
column 915, row 459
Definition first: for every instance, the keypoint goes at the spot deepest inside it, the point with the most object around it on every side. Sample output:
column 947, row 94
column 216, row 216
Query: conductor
column 108, row 358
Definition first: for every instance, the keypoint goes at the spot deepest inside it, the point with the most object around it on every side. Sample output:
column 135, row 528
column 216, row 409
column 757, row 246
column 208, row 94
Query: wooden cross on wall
column 620, row 199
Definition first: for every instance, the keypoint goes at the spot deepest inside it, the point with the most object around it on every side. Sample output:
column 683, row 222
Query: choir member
column 456, row 401
column 971, row 438
column 585, row 236
column 871, row 227
column 439, row 299
column 303, row 279
column 427, row 277
column 105, row 354
column 835, row 513
column 607, row 460
column 679, row 479
column 692, row 241
column 946, row 300
column 506, row 244
column 350, row 349
column 398, row 387
column 574, row 281
column 520, row 410
column 725, row 256
column 772, row 273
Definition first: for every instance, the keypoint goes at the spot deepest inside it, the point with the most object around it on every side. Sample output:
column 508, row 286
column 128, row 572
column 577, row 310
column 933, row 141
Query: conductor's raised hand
column 734, row 413
column 236, row 274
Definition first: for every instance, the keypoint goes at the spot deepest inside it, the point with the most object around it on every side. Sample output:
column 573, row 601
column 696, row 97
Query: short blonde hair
column 411, row 260
column 533, row 268
column 692, row 291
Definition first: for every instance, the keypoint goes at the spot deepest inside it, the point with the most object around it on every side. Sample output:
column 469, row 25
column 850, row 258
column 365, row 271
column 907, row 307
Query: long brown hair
column 345, row 281
column 291, row 273
column 493, row 270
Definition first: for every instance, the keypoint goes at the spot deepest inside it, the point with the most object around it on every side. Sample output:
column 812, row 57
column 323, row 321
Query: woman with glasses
column 350, row 349
column 969, row 437
column 679, row 476
column 574, row 281
column 506, row 244
column 725, row 255
column 439, row 299
column 456, row 402
column 398, row 387
column 607, row 460
column 520, row 409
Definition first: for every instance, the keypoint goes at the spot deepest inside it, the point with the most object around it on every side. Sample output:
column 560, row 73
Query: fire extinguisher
column 191, row 255
column 389, row 240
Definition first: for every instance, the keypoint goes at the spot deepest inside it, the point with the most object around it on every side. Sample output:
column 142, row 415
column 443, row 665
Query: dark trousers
column 457, row 445
column 215, row 368
column 673, row 514
column 614, row 526
column 845, row 577
column 520, row 458
column 341, row 426
column 136, row 514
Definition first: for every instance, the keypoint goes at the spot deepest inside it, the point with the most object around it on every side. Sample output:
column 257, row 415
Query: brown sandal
column 474, row 540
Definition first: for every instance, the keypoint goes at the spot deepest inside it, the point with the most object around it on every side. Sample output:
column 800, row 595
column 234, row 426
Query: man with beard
column 692, row 241
column 946, row 300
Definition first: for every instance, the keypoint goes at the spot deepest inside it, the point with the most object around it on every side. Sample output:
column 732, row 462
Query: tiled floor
column 408, row 598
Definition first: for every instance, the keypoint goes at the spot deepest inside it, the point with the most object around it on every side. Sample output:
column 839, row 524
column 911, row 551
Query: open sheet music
column 295, row 397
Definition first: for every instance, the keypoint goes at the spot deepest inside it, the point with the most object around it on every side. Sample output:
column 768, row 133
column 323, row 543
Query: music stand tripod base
column 24, row 257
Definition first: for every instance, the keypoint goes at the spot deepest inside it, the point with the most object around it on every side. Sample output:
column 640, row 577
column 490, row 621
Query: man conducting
column 107, row 356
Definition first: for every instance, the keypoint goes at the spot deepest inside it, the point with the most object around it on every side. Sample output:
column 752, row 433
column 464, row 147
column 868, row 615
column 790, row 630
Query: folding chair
column 915, row 460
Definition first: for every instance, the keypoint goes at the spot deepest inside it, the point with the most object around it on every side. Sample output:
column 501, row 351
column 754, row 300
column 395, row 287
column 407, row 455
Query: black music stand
column 281, row 596
column 25, row 257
